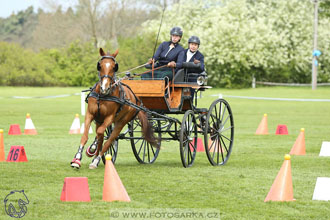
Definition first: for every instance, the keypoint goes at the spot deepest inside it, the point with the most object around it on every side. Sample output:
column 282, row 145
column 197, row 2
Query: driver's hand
column 150, row 61
column 196, row 61
column 171, row 64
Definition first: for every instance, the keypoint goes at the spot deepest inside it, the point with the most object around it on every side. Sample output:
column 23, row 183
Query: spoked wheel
column 143, row 151
column 188, row 139
column 113, row 149
column 219, row 132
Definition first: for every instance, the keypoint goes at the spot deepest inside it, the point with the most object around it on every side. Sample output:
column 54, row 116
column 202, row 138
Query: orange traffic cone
column 2, row 147
column 282, row 189
column 299, row 146
column 113, row 188
column 200, row 145
column 215, row 146
column 75, row 127
column 29, row 126
column 263, row 127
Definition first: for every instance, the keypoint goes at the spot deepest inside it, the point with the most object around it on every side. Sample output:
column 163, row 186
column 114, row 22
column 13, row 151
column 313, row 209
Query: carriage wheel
column 188, row 139
column 143, row 151
column 113, row 149
column 219, row 132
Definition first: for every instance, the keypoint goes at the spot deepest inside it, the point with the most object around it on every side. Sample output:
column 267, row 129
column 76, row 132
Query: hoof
column 92, row 167
column 95, row 163
column 91, row 150
column 75, row 163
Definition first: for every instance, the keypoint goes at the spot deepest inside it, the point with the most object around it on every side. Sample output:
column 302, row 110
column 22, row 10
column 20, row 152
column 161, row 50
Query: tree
column 324, row 9
column 271, row 40
column 56, row 29
column 90, row 10
column 19, row 27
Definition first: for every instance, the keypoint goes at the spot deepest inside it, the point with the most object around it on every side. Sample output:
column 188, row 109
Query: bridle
column 112, row 78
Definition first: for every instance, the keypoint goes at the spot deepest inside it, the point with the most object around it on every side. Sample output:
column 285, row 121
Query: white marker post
column 325, row 149
column 322, row 190
column 82, row 103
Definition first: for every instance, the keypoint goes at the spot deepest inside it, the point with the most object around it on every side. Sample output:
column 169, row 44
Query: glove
column 196, row 61
column 171, row 64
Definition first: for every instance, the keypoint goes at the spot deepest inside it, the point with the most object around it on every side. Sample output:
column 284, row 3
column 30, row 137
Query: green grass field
column 237, row 189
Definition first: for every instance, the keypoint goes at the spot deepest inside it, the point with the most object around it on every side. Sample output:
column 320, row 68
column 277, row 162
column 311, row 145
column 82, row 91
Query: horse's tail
column 147, row 130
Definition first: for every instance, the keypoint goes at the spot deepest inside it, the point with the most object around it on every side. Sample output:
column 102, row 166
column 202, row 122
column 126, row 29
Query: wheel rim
column 143, row 151
column 219, row 132
column 188, row 139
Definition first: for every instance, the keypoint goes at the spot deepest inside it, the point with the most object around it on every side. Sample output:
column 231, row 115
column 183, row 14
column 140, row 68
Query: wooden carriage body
column 174, row 98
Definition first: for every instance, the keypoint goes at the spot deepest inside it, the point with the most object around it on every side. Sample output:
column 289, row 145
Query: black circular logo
column 15, row 204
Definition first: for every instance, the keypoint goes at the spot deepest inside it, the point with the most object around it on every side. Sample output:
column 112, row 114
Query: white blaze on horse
column 105, row 106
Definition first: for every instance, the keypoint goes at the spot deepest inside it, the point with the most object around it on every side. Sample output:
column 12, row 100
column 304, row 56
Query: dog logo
column 15, row 204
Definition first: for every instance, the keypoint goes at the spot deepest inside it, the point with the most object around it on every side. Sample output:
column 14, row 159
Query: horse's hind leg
column 76, row 162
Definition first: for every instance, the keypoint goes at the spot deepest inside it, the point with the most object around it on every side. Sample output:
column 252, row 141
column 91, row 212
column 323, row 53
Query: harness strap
column 98, row 97
column 98, row 105
column 136, row 100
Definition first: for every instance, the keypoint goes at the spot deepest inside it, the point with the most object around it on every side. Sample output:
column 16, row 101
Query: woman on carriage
column 167, row 54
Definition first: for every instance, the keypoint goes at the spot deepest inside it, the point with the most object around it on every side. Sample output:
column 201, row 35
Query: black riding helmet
column 176, row 31
column 194, row 39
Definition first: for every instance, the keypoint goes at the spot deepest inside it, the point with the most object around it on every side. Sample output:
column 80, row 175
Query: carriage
column 162, row 100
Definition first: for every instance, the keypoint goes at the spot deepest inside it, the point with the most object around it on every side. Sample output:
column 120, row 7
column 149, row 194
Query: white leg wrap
column 79, row 153
column 95, row 163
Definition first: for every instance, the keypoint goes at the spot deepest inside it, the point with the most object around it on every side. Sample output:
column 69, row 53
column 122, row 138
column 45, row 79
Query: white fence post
column 82, row 103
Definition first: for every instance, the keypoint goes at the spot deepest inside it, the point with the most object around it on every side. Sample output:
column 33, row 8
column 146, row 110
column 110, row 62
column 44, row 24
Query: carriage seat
column 188, row 72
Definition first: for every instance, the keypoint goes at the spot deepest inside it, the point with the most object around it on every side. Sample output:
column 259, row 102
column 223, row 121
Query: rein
column 139, row 74
column 134, row 68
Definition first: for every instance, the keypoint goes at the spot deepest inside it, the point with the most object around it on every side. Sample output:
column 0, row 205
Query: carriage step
column 200, row 110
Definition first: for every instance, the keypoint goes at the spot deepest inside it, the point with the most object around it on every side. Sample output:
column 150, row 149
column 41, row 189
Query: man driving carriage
column 166, row 54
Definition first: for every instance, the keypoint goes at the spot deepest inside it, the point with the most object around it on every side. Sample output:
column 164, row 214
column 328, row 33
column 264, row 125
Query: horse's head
column 107, row 67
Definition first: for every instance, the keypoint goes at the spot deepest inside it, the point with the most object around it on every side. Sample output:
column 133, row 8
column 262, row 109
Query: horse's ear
column 115, row 53
column 101, row 52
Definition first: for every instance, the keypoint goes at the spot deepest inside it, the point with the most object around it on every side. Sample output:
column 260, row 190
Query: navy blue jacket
column 183, row 57
column 171, row 56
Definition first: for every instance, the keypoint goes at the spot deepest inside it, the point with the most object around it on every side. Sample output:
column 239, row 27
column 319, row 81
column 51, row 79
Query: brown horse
column 106, row 112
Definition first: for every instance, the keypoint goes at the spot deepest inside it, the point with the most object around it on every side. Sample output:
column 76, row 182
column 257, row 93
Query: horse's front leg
column 92, row 149
column 100, row 137
column 114, row 134
column 76, row 162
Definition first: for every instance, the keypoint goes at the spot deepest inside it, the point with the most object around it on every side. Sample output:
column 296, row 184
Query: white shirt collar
column 190, row 55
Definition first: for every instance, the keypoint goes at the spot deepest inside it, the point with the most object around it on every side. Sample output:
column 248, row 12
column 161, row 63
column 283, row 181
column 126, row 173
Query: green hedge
column 74, row 65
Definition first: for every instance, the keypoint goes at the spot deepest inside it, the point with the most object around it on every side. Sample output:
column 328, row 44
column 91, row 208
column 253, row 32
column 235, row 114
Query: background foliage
column 271, row 40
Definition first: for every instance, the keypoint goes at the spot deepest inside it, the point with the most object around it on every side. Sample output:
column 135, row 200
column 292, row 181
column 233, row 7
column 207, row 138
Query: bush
column 271, row 40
